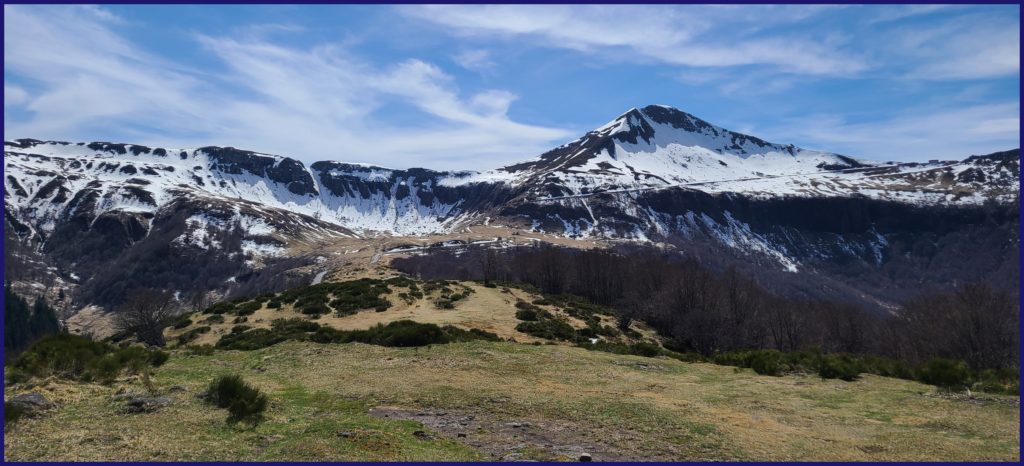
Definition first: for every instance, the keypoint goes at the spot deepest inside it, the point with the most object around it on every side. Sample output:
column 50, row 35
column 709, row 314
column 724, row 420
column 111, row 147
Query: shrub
column 1003, row 381
column 542, row 302
column 526, row 314
column 444, row 303
column 78, row 358
column 12, row 414
column 946, row 374
column 240, row 328
column 223, row 307
column 281, row 330
column 400, row 281
column 646, row 349
column 834, row 366
column 193, row 334
column 215, row 319
column 243, row 402
column 251, row 340
column 274, row 304
column 549, row 329
column 402, row 333
column 315, row 309
column 182, row 322
column 456, row 334
column 248, row 308
column 767, row 362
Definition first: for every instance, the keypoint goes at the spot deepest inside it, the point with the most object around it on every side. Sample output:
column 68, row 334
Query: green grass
column 646, row 408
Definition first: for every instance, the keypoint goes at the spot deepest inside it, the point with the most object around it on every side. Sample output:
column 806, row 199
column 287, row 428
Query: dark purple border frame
column 602, row 2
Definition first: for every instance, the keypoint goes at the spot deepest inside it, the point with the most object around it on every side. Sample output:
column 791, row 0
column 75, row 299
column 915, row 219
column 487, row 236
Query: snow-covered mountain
column 652, row 174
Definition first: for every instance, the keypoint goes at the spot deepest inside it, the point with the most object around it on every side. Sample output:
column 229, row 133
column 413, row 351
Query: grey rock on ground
column 32, row 403
column 144, row 404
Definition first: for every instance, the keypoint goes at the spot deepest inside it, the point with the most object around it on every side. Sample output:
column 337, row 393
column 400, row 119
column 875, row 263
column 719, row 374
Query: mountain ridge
column 643, row 177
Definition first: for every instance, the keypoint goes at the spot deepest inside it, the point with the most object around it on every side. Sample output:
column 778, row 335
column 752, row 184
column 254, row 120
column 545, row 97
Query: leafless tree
column 145, row 313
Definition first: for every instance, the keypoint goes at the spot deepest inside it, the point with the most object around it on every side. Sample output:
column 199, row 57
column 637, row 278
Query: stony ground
column 492, row 401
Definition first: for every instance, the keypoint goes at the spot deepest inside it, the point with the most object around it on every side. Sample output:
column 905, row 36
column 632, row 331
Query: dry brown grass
column 490, row 309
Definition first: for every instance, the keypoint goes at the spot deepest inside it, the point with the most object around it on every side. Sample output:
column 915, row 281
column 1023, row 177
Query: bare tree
column 489, row 265
column 199, row 301
column 145, row 313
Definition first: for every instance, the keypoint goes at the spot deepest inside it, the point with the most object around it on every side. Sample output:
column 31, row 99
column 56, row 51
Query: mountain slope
column 654, row 174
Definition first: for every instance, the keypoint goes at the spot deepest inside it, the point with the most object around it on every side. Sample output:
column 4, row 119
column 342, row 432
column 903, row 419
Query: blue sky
column 478, row 87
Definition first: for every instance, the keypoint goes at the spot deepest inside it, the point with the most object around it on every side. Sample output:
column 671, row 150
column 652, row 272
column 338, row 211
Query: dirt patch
column 508, row 439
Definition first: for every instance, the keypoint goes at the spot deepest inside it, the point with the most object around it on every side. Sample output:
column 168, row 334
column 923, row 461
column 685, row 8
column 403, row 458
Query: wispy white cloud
column 786, row 39
column 315, row 103
column 478, row 60
column 701, row 36
column 963, row 48
column 14, row 95
column 918, row 134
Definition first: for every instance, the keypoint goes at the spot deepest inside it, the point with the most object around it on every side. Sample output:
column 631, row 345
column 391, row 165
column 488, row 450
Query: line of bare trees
column 718, row 311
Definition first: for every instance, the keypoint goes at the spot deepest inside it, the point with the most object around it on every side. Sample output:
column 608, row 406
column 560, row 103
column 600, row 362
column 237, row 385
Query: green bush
column 408, row 298
column 402, row 333
column 946, row 374
column 649, row 350
column 281, row 330
column 251, row 340
column 526, row 306
column 243, row 402
column 645, row 349
column 240, row 328
column 274, row 304
column 526, row 314
column 549, row 329
column 248, row 308
column 215, row 319
column 182, row 322
column 838, row 366
column 400, row 281
column 767, row 362
column 78, row 358
column 315, row 309
column 223, row 307
column 456, row 334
